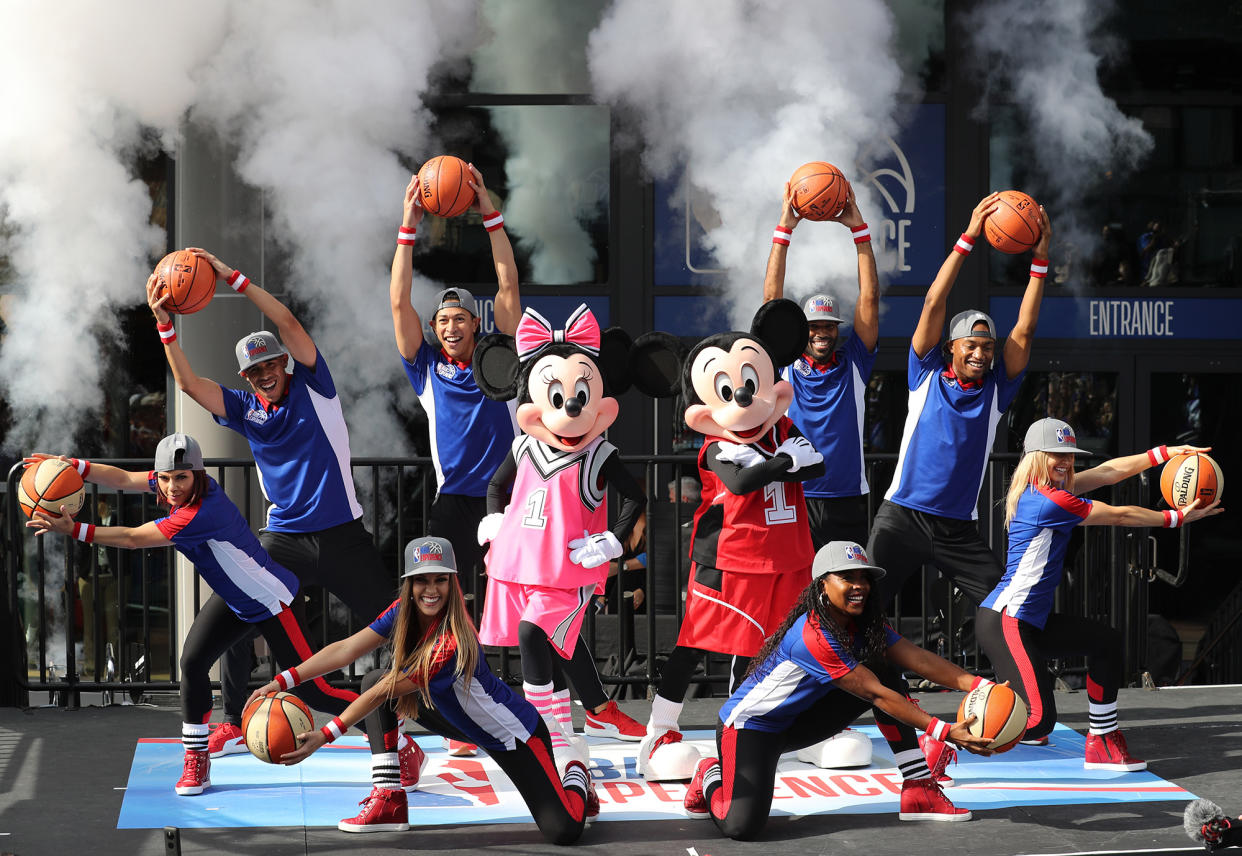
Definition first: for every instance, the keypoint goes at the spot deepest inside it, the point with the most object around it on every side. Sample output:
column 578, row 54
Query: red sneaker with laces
column 382, row 811
column 922, row 799
column 1109, row 752
column 412, row 760
column 460, row 748
column 695, row 803
column 195, row 774
column 225, row 739
column 612, row 722
column 592, row 804
column 939, row 755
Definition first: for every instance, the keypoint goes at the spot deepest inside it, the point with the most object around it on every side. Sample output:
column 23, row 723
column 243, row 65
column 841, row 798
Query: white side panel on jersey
column 427, row 399
column 859, row 387
column 332, row 420
column 769, row 694
column 994, row 415
column 254, row 580
column 1030, row 570
column 492, row 716
column 918, row 400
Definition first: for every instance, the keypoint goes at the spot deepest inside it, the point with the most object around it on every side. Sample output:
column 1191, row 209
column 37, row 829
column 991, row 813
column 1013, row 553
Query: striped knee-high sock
column 912, row 764
column 562, row 709
column 386, row 771
column 194, row 736
column 542, row 696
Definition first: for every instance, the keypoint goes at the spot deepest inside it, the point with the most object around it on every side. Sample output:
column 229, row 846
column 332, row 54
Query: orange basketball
column 272, row 724
column 819, row 190
column 190, row 279
column 1191, row 476
column 1000, row 715
column 48, row 485
column 1015, row 226
column 442, row 183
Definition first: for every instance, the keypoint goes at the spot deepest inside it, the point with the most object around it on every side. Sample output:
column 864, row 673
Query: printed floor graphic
column 327, row 786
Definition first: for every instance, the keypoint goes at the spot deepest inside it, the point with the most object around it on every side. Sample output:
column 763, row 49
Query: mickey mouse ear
column 496, row 367
column 655, row 364
column 614, row 349
column 781, row 325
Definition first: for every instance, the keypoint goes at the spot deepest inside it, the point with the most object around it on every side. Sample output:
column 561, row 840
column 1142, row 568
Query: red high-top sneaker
column 922, row 799
column 382, row 811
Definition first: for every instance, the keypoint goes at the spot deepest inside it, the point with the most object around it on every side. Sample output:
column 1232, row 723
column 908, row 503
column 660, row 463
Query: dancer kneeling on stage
column 250, row 588
column 440, row 678
column 832, row 659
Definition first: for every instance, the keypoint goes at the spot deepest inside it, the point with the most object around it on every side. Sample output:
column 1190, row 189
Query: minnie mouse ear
column 613, row 359
column 781, row 325
column 496, row 367
column 655, row 364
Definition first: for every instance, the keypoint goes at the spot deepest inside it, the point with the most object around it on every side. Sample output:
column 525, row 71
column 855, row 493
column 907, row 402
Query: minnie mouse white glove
column 738, row 453
column 591, row 551
column 801, row 451
column 489, row 526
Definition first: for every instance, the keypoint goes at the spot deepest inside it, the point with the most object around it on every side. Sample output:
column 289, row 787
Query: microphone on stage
column 1207, row 823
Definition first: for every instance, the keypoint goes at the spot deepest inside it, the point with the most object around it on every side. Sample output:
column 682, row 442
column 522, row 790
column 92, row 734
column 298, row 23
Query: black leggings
column 678, row 669
column 742, row 800
column 542, row 665
column 216, row 627
column 559, row 810
column 1019, row 652
column 344, row 561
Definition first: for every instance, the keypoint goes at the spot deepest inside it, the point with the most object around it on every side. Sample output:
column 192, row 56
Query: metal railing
column 1108, row 580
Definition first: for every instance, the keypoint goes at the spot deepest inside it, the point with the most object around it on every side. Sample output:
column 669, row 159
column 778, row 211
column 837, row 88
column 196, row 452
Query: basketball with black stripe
column 1014, row 227
column 1191, row 476
column 271, row 726
column 443, row 186
column 1000, row 715
column 819, row 190
column 48, row 485
column 189, row 279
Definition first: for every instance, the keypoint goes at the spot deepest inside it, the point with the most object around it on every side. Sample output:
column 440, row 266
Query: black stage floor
column 63, row 775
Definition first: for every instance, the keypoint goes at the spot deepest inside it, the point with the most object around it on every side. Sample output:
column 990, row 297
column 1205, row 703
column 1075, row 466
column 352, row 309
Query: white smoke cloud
column 1079, row 136
column 742, row 93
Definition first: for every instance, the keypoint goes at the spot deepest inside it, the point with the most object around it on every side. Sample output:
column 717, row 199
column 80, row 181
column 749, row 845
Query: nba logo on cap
column 1065, row 435
column 255, row 346
column 427, row 553
column 855, row 553
column 821, row 306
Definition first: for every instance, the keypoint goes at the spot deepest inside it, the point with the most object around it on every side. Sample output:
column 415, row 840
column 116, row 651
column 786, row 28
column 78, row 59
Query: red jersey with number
column 764, row 531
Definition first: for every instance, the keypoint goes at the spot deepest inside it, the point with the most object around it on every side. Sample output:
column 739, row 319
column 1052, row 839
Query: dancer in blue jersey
column 1016, row 625
column 250, row 589
column 833, row 659
column 957, row 395
column 296, row 430
column 440, row 678
column 830, row 382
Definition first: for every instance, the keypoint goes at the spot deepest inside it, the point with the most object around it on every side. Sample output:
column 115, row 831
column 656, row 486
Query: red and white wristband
column 288, row 679
column 1174, row 518
column 82, row 466
column 84, row 532
column 493, row 221
column 168, row 333
column 980, row 681
column 782, row 236
column 1158, row 455
column 964, row 244
column 937, row 729
column 238, row 281
column 1039, row 268
column 333, row 729
column 405, row 237
column 862, row 233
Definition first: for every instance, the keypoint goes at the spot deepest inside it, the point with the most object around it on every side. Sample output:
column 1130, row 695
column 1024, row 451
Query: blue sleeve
column 418, row 370
column 918, row 369
column 860, row 356
column 891, row 636
column 317, row 378
column 384, row 624
column 1006, row 389
column 236, row 403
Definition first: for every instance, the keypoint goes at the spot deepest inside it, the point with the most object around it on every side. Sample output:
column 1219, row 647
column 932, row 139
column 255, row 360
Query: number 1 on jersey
column 534, row 518
column 777, row 508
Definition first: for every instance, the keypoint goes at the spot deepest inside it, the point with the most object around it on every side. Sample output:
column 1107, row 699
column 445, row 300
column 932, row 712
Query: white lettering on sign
column 892, row 237
column 1119, row 317
column 487, row 320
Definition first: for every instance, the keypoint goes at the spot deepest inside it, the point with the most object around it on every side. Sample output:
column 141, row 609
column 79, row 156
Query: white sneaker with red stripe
column 225, row 739
column 195, row 774
column 412, row 760
column 612, row 722
column 460, row 748
column 922, row 799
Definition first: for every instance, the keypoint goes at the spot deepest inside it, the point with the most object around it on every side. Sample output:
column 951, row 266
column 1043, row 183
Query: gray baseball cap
column 452, row 298
column 843, row 556
column 821, row 307
column 427, row 556
column 258, row 347
column 963, row 325
column 178, row 452
column 1051, row 435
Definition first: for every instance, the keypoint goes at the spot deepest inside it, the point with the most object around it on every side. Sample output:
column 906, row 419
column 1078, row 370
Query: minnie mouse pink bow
column 534, row 332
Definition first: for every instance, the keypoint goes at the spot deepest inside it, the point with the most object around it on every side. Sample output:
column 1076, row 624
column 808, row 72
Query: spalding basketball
column 272, row 724
column 1014, row 227
column 1191, row 476
column 443, row 188
column 48, row 485
column 189, row 279
column 819, row 190
column 1000, row 715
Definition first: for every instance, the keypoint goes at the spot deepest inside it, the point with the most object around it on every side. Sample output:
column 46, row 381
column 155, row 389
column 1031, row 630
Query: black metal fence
column 121, row 605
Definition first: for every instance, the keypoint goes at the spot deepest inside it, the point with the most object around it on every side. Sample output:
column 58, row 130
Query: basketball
column 1015, row 225
column 272, row 724
column 190, row 279
column 443, row 188
column 1191, row 476
column 1000, row 715
column 819, row 190
column 48, row 485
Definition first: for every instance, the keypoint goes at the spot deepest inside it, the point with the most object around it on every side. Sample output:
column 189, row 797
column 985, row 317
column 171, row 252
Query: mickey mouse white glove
column 489, row 526
column 591, row 551
column 802, row 452
column 738, row 453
